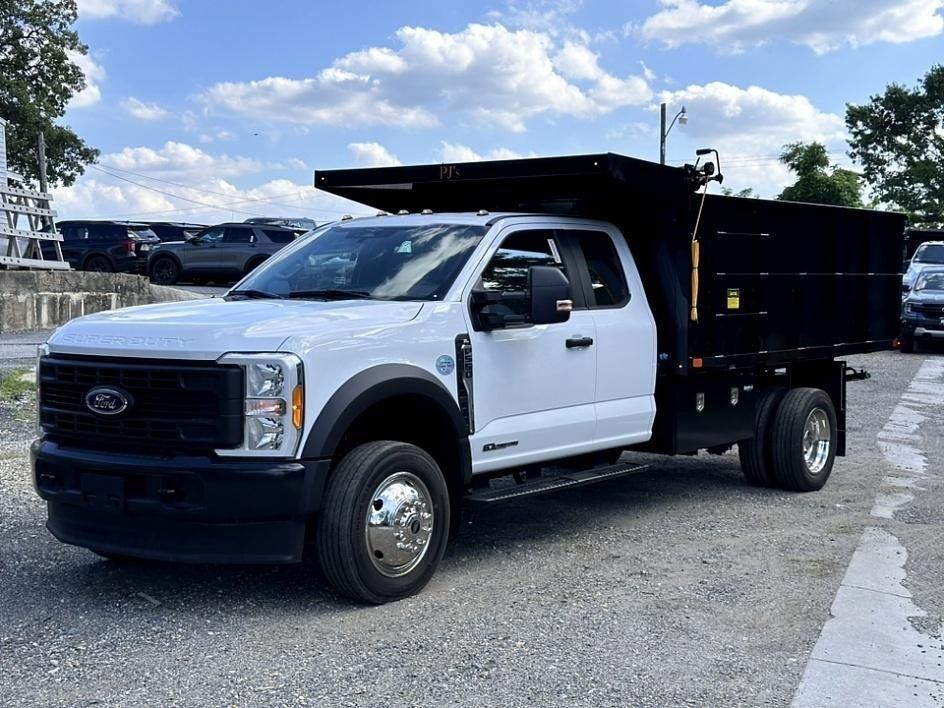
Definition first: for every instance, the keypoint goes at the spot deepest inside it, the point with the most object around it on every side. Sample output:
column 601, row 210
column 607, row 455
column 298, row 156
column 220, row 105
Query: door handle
column 578, row 342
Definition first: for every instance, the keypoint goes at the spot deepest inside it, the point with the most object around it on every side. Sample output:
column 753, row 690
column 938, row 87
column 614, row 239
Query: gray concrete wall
column 43, row 299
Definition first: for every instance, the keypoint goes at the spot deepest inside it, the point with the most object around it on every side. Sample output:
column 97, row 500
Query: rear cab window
column 606, row 279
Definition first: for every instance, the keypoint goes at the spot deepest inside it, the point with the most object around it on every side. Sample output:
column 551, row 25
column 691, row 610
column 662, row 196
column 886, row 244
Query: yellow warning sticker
column 734, row 298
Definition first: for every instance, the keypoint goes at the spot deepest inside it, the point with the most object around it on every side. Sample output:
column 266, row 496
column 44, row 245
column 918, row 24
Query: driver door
column 533, row 385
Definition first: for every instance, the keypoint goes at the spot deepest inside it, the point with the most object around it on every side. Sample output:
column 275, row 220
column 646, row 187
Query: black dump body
column 778, row 282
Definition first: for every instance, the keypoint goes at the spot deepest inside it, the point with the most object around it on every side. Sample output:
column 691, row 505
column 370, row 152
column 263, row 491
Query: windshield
column 379, row 262
column 930, row 253
column 930, row 281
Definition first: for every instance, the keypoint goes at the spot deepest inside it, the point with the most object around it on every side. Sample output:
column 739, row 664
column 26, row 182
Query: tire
column 907, row 343
column 755, row 453
column 253, row 264
column 351, row 549
column 98, row 264
column 164, row 271
column 800, row 462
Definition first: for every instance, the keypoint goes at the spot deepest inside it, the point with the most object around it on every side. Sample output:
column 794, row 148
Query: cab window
column 507, row 271
column 608, row 286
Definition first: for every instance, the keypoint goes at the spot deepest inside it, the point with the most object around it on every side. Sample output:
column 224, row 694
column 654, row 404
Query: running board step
column 543, row 485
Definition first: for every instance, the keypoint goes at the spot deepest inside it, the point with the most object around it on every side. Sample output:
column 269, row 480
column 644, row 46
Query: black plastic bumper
column 189, row 509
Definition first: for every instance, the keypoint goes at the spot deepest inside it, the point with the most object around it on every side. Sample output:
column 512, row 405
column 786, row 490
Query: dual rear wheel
column 794, row 443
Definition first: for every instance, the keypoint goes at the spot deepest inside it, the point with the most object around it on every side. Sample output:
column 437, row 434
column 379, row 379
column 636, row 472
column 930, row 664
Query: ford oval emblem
column 107, row 401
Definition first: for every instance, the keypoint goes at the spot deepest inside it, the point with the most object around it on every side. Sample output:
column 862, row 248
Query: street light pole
column 662, row 136
column 681, row 117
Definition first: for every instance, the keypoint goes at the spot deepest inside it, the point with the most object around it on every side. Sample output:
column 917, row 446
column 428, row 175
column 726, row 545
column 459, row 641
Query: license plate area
column 105, row 492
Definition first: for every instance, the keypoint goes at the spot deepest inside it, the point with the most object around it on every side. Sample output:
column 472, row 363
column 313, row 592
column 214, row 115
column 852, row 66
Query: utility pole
column 42, row 162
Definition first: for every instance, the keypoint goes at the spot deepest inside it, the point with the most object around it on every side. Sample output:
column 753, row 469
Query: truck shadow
column 486, row 535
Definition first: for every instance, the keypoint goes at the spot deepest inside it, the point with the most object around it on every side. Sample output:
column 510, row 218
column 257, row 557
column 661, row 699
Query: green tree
column 37, row 79
column 898, row 139
column 747, row 193
column 819, row 182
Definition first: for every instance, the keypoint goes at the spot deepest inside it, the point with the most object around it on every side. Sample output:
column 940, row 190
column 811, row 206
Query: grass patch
column 17, row 384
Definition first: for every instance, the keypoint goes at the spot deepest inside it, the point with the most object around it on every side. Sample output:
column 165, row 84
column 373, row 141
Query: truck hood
column 206, row 329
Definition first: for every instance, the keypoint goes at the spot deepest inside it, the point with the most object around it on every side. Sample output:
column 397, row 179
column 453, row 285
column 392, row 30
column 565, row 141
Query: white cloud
column 144, row 111
column 176, row 159
column 550, row 16
column 372, row 155
column 141, row 12
column 492, row 74
column 205, row 201
column 94, row 75
column 455, row 152
column 750, row 127
column 823, row 25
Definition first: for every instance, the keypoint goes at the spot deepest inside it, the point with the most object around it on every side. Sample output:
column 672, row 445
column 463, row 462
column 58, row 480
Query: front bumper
column 923, row 328
column 176, row 508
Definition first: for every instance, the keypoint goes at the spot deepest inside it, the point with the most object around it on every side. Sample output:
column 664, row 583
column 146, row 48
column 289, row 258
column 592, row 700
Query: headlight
column 273, row 405
column 909, row 308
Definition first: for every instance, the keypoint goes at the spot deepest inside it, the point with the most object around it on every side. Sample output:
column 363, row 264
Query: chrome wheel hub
column 399, row 524
column 817, row 437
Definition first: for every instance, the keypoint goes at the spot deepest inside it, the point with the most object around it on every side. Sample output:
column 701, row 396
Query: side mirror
column 545, row 301
column 549, row 295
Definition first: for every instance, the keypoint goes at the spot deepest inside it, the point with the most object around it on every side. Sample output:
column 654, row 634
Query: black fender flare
column 373, row 386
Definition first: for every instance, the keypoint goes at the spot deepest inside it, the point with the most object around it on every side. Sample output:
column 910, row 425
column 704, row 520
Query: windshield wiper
column 330, row 294
column 251, row 294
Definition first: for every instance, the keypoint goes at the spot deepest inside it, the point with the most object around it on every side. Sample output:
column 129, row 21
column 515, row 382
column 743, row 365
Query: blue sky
column 204, row 113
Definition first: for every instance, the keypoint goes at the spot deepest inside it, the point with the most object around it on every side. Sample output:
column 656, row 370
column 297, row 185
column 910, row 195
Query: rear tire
column 98, row 264
column 804, row 438
column 755, row 454
column 164, row 271
column 384, row 522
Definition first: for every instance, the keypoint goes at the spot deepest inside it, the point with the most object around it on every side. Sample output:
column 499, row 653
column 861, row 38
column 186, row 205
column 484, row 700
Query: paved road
column 679, row 586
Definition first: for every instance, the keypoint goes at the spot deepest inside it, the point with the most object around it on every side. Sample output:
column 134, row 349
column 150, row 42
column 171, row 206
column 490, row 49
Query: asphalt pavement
column 677, row 586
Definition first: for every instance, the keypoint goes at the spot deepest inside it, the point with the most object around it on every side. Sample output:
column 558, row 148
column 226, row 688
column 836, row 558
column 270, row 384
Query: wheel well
column 413, row 419
column 255, row 262
column 95, row 254
column 170, row 256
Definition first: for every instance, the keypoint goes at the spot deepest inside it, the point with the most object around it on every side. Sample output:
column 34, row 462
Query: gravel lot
column 678, row 586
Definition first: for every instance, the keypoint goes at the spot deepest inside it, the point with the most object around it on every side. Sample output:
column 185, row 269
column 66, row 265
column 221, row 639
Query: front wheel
column 804, row 438
column 384, row 522
column 164, row 271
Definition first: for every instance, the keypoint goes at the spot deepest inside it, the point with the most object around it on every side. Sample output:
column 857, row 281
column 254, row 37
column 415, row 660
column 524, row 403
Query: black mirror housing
column 549, row 294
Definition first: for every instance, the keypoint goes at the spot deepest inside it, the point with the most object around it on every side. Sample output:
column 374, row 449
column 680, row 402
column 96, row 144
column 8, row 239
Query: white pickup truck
column 369, row 378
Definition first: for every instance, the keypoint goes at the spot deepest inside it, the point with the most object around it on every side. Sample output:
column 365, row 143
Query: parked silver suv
column 221, row 253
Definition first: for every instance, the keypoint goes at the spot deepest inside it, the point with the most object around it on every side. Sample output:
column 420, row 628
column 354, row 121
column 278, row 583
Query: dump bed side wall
column 781, row 281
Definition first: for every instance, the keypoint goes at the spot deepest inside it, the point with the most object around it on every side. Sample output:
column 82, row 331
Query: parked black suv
column 105, row 246
column 175, row 230
column 220, row 253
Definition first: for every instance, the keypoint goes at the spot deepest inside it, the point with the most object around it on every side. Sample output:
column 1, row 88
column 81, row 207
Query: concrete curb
column 45, row 299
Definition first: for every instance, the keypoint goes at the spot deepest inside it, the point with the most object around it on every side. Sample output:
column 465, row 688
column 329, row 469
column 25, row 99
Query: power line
column 170, row 194
column 268, row 200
